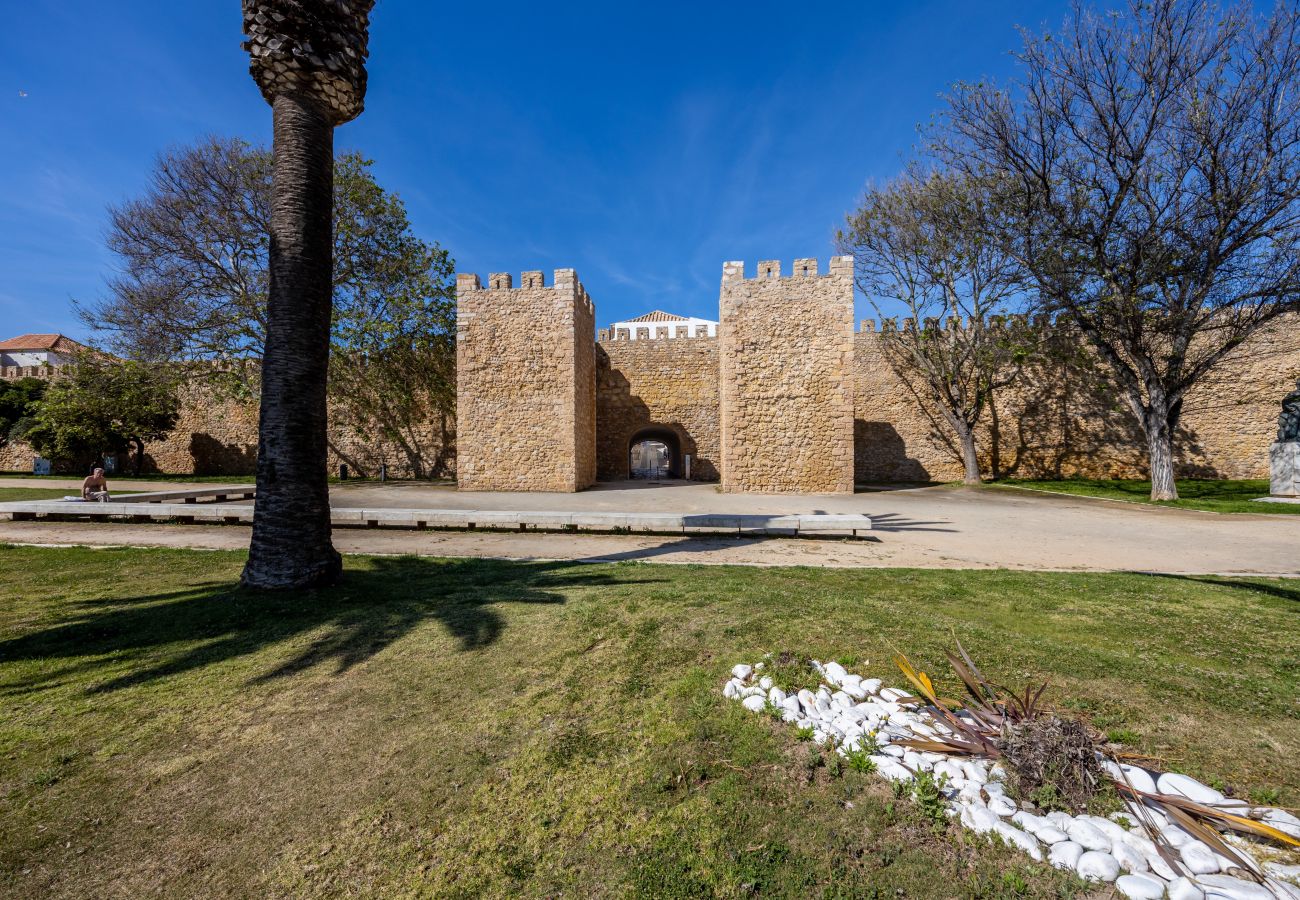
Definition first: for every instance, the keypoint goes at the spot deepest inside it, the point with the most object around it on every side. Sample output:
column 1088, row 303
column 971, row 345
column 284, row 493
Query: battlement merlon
column 840, row 267
column 563, row 280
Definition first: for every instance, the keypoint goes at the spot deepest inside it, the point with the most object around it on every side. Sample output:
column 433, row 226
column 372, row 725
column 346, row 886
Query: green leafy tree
column 100, row 406
column 18, row 400
column 194, row 275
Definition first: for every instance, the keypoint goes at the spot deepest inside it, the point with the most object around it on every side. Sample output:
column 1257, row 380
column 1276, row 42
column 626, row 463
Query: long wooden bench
column 513, row 520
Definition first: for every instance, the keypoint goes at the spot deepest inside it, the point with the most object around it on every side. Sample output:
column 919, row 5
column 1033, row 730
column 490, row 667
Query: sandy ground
column 933, row 527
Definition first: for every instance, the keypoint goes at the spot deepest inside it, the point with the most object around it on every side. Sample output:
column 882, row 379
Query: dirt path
column 959, row 530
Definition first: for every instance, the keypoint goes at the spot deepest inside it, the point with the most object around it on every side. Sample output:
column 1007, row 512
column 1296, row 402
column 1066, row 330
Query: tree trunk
column 969, row 457
column 1160, row 455
column 291, row 547
column 139, row 456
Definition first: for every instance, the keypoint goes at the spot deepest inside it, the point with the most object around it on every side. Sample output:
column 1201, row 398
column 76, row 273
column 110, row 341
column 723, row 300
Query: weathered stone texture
column 787, row 378
column 525, row 387
column 1059, row 421
column 216, row 434
column 668, row 383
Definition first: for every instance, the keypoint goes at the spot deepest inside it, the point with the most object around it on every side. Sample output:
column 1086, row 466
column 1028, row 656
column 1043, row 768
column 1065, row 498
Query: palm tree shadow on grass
column 215, row 621
column 1282, row 589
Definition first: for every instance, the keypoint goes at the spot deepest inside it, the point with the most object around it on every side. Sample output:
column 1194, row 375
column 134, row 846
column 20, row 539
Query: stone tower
column 525, row 384
column 787, row 378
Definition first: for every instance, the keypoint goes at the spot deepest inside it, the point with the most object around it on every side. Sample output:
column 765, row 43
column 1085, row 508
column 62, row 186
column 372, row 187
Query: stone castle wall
column 216, row 434
column 786, row 373
column 525, row 386
column 644, row 386
column 1065, row 419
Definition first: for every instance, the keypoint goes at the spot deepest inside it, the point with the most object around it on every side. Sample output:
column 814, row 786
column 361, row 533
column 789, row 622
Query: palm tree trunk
column 290, row 546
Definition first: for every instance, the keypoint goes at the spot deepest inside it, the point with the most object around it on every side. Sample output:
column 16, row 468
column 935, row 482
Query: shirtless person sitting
column 95, row 487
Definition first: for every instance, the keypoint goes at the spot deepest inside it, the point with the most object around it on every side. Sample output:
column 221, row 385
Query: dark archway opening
column 655, row 453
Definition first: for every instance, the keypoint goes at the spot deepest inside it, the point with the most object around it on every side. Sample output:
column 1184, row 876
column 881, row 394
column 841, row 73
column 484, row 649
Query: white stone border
column 849, row 712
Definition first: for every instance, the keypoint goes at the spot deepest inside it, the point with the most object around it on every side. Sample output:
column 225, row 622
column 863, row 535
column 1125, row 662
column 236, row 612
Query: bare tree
column 1152, row 160
column 308, row 58
column 923, row 242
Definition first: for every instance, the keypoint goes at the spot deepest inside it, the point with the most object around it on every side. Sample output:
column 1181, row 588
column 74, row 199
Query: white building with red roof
column 39, row 350
column 659, row 324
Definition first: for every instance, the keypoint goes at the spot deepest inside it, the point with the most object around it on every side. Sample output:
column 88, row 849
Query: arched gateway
column 655, row 452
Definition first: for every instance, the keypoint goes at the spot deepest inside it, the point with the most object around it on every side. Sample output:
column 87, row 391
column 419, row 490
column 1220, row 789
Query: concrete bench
column 217, row 493
column 515, row 520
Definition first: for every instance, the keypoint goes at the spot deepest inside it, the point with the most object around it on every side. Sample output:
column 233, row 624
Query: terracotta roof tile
column 42, row 342
column 658, row 316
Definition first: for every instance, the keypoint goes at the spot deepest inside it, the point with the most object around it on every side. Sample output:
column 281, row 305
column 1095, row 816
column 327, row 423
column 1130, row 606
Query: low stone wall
column 666, row 383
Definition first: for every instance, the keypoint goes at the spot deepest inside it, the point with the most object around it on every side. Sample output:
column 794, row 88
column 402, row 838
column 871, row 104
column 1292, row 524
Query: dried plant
column 1040, row 748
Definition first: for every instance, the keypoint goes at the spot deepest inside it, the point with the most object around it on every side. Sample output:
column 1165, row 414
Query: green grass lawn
column 8, row 494
column 1223, row 496
column 484, row 728
column 187, row 479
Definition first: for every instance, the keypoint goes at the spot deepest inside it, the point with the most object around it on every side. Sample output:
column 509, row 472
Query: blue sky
column 641, row 144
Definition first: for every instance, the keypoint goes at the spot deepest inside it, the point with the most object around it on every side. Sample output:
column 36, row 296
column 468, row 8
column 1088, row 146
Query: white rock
column 1097, row 866
column 854, row 689
column 995, row 788
column 971, row 791
column 1112, row 830
column 1028, row 821
column 1140, row 812
column 1159, row 866
column 893, row 694
column 982, row 819
column 754, row 691
column 754, row 704
column 777, row 696
column 1233, row 804
column 974, row 771
column 1014, row 837
column 807, row 698
column 1139, row 777
column 1001, row 806
column 834, row 672
column 741, row 671
column 765, row 683
column 791, row 704
column 1050, row 834
column 892, row 770
column 1140, row 887
column 1065, row 855
column 1280, row 870
column 872, row 685
column 1129, row 858
column 894, row 750
column 1229, row 888
column 1276, row 816
column 1185, row 786
column 1175, row 836
column 731, row 690
column 1184, row 888
column 1198, row 858
column 951, row 769
column 1086, row 835
column 842, row 700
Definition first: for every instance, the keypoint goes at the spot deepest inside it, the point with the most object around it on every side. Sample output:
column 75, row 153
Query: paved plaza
column 929, row 527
